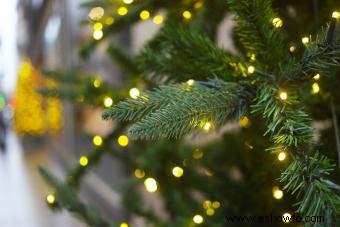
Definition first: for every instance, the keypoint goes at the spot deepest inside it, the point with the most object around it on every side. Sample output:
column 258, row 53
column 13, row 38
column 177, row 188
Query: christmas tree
column 274, row 88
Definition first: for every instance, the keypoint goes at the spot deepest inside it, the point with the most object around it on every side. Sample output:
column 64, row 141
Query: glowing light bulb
column 197, row 154
column 187, row 15
column 207, row 126
column 96, row 13
column 97, row 34
column 198, row 4
column 281, row 156
column 216, row 204
column 97, row 140
column 251, row 69
column 144, row 15
column 97, row 83
column 177, row 172
column 83, row 161
column 336, row 15
column 305, row 40
column 98, row 26
column 150, row 185
column 123, row 140
column 50, row 199
column 124, row 224
column 292, row 48
column 316, row 77
column 277, row 193
column 158, row 19
column 108, row 102
column 191, row 82
column 139, row 173
column 286, row 217
column 109, row 20
column 198, row 219
column 122, row 11
column 244, row 122
column 277, row 22
column 315, row 88
column 210, row 212
column 283, row 95
column 207, row 204
column 253, row 57
column 128, row 1
column 134, row 93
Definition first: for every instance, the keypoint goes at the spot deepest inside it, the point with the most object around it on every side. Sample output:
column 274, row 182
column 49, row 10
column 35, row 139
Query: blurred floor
column 22, row 190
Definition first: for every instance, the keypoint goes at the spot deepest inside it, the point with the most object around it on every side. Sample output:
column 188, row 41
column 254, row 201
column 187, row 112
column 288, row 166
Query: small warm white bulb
column 150, row 185
column 198, row 219
column 251, row 69
column 283, row 95
column 281, row 156
column 277, row 22
column 336, row 15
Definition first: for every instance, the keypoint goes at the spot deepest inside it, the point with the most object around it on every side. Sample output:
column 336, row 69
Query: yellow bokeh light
column 210, row 212
column 158, row 19
column 109, row 20
column 277, row 193
column 198, row 4
column 98, row 26
column 292, row 48
column 315, row 88
column 207, row 204
column 123, row 140
column 253, row 57
column 144, row 15
column 96, row 13
column 251, row 69
column 336, row 15
column 83, row 161
column 244, row 122
column 150, row 185
column 281, row 156
column 108, row 102
column 206, row 126
column 97, row 34
column 187, row 14
column 50, row 199
column 97, row 140
column 286, row 217
column 316, row 77
column 305, row 40
column 197, row 154
column 128, row 1
column 124, row 224
column 134, row 93
column 122, row 11
column 177, row 171
column 283, row 95
column 277, row 22
column 190, row 82
column 216, row 204
column 198, row 219
column 139, row 173
column 97, row 83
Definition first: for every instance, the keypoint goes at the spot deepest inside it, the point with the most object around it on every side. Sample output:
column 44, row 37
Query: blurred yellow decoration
column 96, row 13
column 281, row 156
column 123, row 225
column 277, row 193
column 144, row 15
column 122, row 11
column 123, row 140
column 177, row 171
column 50, row 199
column 244, row 122
column 151, row 185
column 158, row 19
column 315, row 88
column 197, row 154
column 277, row 22
column 139, row 173
column 34, row 114
column 187, row 14
column 83, row 161
column 97, row 140
column 198, row 219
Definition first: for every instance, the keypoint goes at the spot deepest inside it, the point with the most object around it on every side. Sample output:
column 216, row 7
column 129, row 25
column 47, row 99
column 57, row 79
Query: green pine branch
column 175, row 110
column 256, row 31
column 182, row 53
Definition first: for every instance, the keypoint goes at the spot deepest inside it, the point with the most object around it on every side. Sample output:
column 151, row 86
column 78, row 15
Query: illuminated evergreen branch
column 179, row 53
column 175, row 110
column 304, row 178
column 256, row 31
